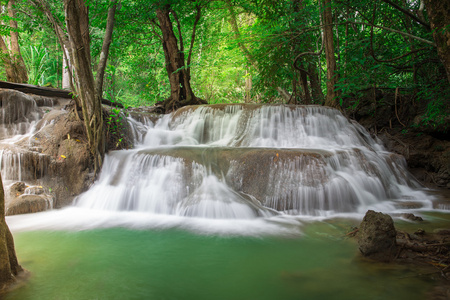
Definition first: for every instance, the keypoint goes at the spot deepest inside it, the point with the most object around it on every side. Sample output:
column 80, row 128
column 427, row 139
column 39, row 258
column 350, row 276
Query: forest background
column 262, row 51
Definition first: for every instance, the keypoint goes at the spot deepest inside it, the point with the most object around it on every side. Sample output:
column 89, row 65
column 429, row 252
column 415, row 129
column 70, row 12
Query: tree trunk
column 248, row 87
column 105, row 49
column 329, row 54
column 314, row 81
column 181, row 93
column 66, row 70
column 305, row 90
column 439, row 15
column 16, row 58
column 77, row 27
column 12, row 59
column 6, row 60
column 293, row 98
column 9, row 266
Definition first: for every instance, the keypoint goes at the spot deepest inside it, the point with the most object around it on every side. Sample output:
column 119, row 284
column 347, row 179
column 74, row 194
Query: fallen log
column 47, row 91
column 420, row 247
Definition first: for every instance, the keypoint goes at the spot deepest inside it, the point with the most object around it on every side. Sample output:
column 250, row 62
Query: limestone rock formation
column 377, row 236
column 52, row 152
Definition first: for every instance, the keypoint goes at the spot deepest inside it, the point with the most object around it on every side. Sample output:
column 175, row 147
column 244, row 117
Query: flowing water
column 218, row 202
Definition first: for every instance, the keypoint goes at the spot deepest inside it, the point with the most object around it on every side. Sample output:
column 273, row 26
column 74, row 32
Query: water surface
column 118, row 263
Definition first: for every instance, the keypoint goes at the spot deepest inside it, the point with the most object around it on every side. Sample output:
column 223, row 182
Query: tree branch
column 197, row 18
column 105, row 48
column 307, row 53
column 180, row 36
column 372, row 51
column 408, row 13
column 153, row 23
column 397, row 31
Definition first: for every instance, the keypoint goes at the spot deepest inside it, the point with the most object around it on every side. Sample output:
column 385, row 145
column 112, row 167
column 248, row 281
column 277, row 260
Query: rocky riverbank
column 380, row 241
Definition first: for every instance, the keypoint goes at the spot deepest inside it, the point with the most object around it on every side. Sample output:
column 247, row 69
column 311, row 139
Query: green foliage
column 274, row 32
column 116, row 126
column 438, row 106
column 35, row 58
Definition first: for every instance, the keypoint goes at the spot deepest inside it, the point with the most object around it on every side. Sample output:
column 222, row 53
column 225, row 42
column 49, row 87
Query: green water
column 171, row 264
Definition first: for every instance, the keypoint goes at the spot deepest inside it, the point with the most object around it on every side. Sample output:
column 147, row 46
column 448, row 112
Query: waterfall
column 252, row 161
column 18, row 115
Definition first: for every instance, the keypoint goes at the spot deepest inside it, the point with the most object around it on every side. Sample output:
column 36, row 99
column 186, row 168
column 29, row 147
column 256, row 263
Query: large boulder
column 25, row 199
column 25, row 204
column 377, row 236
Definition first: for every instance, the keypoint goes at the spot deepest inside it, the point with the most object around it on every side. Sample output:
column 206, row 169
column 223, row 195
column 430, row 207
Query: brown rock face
column 9, row 266
column 377, row 236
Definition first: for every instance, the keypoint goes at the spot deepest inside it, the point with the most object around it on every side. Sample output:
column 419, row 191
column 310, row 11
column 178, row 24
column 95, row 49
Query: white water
column 283, row 165
column 345, row 170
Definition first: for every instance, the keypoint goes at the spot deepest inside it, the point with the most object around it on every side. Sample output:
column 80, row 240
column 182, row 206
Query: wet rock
column 25, row 199
column 55, row 156
column 46, row 101
column 25, row 204
column 412, row 217
column 428, row 156
column 15, row 190
column 377, row 236
column 34, row 190
column 16, row 107
column 419, row 231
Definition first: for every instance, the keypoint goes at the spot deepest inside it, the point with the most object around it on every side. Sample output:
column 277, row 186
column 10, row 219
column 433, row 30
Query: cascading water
column 252, row 161
column 18, row 115
column 243, row 170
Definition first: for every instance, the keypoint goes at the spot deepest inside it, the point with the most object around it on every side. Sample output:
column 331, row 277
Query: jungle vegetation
column 174, row 53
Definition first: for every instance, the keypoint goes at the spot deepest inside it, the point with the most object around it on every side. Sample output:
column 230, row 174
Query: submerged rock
column 377, row 236
column 412, row 217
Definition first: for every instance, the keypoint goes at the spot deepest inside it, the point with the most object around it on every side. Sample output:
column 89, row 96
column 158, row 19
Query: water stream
column 216, row 202
column 247, row 162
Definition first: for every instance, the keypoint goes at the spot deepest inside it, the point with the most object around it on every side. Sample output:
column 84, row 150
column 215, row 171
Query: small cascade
column 18, row 114
column 19, row 165
column 137, row 129
column 23, row 166
column 252, row 161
